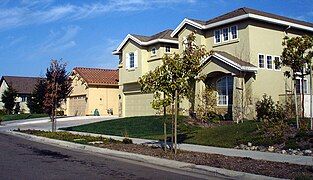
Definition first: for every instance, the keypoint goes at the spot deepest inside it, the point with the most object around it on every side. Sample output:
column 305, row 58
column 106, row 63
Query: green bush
column 2, row 112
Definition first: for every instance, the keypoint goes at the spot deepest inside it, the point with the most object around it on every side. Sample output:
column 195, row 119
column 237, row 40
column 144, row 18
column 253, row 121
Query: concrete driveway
column 45, row 123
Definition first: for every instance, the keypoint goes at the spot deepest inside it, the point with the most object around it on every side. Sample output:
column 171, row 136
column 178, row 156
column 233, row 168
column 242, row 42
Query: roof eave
column 237, row 18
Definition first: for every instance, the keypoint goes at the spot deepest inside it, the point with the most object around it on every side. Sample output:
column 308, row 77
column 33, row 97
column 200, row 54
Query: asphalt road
column 23, row 159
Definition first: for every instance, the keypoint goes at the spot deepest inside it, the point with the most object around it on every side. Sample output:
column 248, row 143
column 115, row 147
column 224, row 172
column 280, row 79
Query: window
column 24, row 98
column 217, row 36
column 225, row 34
column 167, row 49
column 261, row 61
column 234, row 33
column 224, row 88
column 153, row 51
column 277, row 59
column 131, row 60
column 299, row 86
column 269, row 62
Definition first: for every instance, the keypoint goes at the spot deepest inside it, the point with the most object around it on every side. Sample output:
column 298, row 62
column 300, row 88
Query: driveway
column 45, row 123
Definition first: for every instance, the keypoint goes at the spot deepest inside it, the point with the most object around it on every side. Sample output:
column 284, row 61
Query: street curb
column 198, row 169
column 274, row 157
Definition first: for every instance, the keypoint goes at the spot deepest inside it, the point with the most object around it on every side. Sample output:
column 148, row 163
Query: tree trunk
column 172, row 138
column 165, row 136
column 296, row 104
column 175, row 126
column 311, row 101
column 302, row 96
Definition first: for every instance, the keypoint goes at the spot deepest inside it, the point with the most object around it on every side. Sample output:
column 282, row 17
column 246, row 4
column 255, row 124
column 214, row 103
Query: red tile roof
column 23, row 85
column 96, row 76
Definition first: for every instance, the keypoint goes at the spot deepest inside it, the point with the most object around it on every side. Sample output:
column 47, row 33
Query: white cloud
column 44, row 11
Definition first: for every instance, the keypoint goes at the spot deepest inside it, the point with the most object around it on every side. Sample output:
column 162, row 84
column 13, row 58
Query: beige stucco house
column 24, row 86
column 94, row 89
column 246, row 42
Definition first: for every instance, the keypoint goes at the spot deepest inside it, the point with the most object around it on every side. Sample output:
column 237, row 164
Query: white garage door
column 77, row 106
column 138, row 105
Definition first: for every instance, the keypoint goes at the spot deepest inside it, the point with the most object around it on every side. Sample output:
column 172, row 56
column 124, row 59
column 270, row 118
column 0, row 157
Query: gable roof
column 244, row 13
column 23, row 85
column 97, row 76
column 232, row 61
column 163, row 37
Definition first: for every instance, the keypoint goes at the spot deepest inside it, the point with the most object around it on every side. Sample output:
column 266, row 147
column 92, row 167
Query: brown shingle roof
column 245, row 10
column 96, row 76
column 23, row 85
column 234, row 59
column 166, row 34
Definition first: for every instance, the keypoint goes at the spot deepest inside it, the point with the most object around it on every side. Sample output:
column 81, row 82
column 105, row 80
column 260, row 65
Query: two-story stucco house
column 24, row 86
column 94, row 89
column 246, row 42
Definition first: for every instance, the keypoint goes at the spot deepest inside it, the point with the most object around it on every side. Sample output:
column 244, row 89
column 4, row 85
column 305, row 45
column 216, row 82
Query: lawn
column 21, row 116
column 151, row 127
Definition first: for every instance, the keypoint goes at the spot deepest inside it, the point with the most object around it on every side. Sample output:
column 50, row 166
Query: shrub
column 206, row 108
column 273, row 116
column 127, row 141
column 2, row 112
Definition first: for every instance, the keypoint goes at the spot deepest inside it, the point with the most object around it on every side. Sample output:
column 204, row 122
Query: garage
column 77, row 106
column 138, row 105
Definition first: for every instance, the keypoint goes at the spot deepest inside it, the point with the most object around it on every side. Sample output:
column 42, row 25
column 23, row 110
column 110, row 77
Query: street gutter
column 171, row 164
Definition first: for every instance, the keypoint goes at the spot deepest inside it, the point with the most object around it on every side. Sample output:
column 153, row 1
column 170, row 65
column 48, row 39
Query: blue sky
column 84, row 33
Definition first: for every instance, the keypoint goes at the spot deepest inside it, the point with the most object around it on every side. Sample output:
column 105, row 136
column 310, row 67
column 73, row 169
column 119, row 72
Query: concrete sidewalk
column 187, row 167
column 293, row 159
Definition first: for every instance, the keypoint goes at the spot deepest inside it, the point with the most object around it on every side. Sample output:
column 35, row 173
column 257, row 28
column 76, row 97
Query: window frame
column 267, row 55
column 227, row 28
column 227, row 89
column 169, row 47
column 131, row 54
column 306, row 90
column 231, row 32
column 219, row 35
column 279, row 69
column 264, row 64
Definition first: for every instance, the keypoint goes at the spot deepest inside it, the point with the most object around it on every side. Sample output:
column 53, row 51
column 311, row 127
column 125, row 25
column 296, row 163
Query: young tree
column 8, row 98
column 36, row 101
column 296, row 55
column 58, row 88
column 175, row 78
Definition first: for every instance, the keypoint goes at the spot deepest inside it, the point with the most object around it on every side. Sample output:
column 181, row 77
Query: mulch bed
column 261, row 167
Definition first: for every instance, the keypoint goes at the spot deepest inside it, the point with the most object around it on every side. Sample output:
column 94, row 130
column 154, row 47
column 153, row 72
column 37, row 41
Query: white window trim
column 265, row 64
column 219, row 35
column 301, row 85
column 231, row 36
column 223, row 40
column 130, row 60
column 267, row 55
column 275, row 65
column 227, row 104
column 153, row 54
column 166, row 51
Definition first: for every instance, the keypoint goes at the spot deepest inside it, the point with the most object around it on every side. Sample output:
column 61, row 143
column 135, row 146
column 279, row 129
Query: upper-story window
column 131, row 60
column 167, row 49
column 153, row 51
column 217, row 36
column 24, row 98
column 261, row 61
column 225, row 34
column 234, row 32
column 276, row 59
column 269, row 62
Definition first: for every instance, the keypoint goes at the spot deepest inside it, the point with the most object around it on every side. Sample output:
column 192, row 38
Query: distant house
column 24, row 87
column 94, row 90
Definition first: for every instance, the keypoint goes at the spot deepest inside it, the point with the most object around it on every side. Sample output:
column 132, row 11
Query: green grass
column 151, row 127
column 21, row 116
column 139, row 127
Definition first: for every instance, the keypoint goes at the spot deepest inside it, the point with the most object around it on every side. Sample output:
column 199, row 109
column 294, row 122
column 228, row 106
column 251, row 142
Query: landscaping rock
column 242, row 146
column 307, row 152
column 270, row 149
column 96, row 142
column 249, row 144
column 284, row 151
